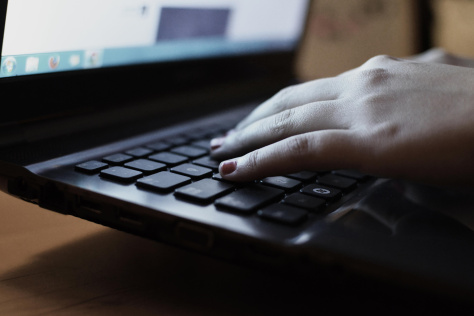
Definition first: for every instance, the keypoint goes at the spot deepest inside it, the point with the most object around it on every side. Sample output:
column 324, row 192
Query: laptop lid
column 66, row 57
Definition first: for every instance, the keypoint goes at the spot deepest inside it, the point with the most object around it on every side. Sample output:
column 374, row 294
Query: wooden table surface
column 52, row 264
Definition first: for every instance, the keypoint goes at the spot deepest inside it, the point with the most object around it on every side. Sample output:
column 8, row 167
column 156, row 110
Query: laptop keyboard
column 182, row 166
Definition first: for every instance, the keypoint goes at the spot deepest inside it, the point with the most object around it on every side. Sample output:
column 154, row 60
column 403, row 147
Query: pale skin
column 410, row 119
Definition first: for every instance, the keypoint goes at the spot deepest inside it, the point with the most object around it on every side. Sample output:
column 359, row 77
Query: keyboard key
column 189, row 151
column 177, row 140
column 168, row 158
column 283, row 183
column 163, row 182
column 192, row 171
column 352, row 174
column 339, row 182
column 204, row 191
column 203, row 143
column 303, row 175
column 219, row 130
column 307, row 202
column 197, row 134
column 249, row 199
column 321, row 191
column 91, row 167
column 207, row 162
column 117, row 159
column 121, row 174
column 159, row 146
column 217, row 176
column 139, row 152
column 146, row 166
column 283, row 214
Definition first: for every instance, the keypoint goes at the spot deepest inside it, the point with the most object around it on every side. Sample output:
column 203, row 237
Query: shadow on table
column 116, row 273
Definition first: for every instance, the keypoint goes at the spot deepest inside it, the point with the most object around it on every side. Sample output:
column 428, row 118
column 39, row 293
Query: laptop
column 108, row 110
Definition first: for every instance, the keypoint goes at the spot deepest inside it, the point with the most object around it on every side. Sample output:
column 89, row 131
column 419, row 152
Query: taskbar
column 42, row 63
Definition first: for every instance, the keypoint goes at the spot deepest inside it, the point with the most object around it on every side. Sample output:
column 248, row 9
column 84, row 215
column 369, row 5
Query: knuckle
column 374, row 74
column 252, row 160
column 299, row 146
column 282, row 123
column 283, row 93
column 373, row 77
column 379, row 60
column 282, row 98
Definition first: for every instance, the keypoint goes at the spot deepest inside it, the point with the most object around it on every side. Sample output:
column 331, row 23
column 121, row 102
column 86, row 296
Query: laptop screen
column 48, row 36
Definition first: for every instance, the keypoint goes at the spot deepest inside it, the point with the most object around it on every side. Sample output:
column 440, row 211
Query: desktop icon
column 32, row 64
column 9, row 66
column 53, row 62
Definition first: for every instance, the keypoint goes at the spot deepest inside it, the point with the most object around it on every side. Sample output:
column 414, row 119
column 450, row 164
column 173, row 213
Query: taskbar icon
column 93, row 58
column 9, row 66
column 53, row 62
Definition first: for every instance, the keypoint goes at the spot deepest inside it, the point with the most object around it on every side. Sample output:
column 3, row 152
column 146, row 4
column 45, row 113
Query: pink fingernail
column 217, row 143
column 228, row 167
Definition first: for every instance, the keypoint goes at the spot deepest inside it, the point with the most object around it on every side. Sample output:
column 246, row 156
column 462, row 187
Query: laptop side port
column 194, row 237
column 130, row 218
column 90, row 206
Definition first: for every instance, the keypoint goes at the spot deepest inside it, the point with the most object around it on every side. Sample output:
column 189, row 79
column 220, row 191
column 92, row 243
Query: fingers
column 291, row 97
column 326, row 89
column 322, row 150
column 303, row 119
column 293, row 128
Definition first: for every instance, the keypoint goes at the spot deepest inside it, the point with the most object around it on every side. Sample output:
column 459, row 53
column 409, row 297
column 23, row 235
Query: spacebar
column 249, row 199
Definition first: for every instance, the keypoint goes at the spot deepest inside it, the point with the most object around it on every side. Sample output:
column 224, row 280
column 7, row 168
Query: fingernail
column 228, row 167
column 217, row 143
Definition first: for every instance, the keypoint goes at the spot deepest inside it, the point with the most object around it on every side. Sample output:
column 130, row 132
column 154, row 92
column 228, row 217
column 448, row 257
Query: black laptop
column 108, row 108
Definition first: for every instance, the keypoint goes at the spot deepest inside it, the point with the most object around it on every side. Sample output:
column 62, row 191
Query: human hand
column 389, row 118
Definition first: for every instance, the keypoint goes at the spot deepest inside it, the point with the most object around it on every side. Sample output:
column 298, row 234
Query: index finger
column 316, row 151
